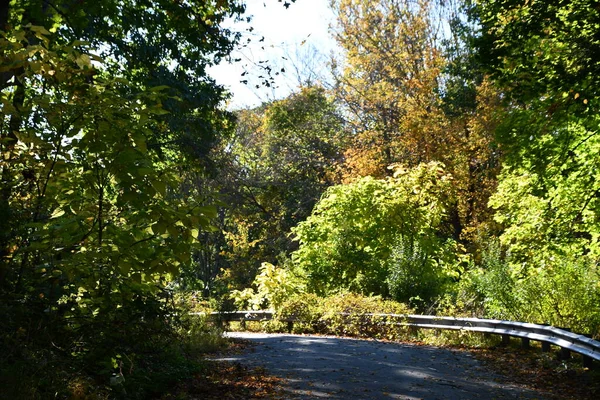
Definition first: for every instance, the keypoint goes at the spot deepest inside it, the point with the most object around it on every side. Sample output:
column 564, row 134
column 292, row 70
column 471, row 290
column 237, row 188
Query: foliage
column 387, row 81
column 306, row 309
column 345, row 314
column 273, row 286
column 418, row 271
column 563, row 293
column 281, row 158
column 505, row 96
column 94, row 220
column 356, row 235
column 547, row 196
column 540, row 48
column 413, row 94
column 358, row 319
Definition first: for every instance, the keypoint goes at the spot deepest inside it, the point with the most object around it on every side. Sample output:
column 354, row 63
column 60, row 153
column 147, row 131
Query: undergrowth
column 123, row 358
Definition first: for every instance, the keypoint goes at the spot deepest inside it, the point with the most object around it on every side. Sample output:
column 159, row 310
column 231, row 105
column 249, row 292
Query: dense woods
column 450, row 164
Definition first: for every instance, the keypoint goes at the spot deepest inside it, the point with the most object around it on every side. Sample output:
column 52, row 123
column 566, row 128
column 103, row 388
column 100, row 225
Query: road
column 317, row 367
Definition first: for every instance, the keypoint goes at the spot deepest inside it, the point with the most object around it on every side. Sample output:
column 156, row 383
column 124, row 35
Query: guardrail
column 547, row 335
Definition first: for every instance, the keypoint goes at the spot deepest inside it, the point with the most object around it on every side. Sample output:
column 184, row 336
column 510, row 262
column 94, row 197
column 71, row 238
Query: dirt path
column 339, row 368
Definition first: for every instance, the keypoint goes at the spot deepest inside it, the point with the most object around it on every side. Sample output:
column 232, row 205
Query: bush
column 345, row 314
column 420, row 269
column 562, row 293
column 351, row 315
column 273, row 286
column 137, row 352
column 374, row 236
column 305, row 310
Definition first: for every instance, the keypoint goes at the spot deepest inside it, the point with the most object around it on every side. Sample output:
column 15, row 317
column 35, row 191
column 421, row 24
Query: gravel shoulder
column 315, row 367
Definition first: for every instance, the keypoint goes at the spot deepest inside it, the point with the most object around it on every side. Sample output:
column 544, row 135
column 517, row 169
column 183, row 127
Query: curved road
column 317, row 367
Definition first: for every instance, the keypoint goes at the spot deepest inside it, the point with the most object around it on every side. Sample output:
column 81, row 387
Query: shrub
column 352, row 315
column 563, row 292
column 305, row 310
column 371, row 233
column 273, row 286
column 346, row 314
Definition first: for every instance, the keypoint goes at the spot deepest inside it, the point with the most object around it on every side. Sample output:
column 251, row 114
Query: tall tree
column 412, row 94
column 105, row 111
column 545, row 57
column 149, row 43
column 551, row 129
column 282, row 158
column 390, row 71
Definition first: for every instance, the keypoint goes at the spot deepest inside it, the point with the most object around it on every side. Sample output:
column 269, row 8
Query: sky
column 296, row 40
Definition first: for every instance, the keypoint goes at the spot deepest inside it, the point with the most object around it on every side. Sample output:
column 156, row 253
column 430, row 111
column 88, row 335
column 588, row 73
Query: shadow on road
column 340, row 368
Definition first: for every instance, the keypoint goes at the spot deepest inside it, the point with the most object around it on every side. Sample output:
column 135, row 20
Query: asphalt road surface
column 317, row 367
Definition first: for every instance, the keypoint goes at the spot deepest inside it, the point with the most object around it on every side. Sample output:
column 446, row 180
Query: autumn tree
column 387, row 79
column 412, row 94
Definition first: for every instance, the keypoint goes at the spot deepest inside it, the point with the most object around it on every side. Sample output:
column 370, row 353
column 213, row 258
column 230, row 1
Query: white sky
column 299, row 33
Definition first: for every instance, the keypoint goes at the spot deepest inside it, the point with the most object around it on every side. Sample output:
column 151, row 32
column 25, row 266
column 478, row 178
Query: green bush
column 346, row 314
column 273, row 286
column 419, row 270
column 351, row 315
column 305, row 310
column 376, row 236
column 562, row 293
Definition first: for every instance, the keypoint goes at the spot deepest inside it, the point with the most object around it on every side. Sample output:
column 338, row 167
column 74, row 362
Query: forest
column 449, row 165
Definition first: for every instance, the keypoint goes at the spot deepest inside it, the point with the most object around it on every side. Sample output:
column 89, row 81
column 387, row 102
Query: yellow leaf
column 57, row 213
column 83, row 61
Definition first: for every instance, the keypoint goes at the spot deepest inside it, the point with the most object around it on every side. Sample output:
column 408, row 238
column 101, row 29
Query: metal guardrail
column 547, row 335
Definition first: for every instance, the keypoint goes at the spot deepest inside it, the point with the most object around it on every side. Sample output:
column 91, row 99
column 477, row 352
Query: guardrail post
column 505, row 340
column 564, row 354
column 413, row 330
column 219, row 322
column 588, row 362
column 525, row 343
column 545, row 347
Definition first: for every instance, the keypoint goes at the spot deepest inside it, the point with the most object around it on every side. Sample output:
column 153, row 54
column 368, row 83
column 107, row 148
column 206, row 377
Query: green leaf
column 83, row 61
column 158, row 111
column 208, row 211
column 38, row 29
column 140, row 142
column 160, row 186
column 159, row 228
column 159, row 88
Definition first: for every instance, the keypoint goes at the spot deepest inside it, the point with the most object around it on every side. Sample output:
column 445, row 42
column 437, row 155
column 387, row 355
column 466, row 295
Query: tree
column 413, row 94
column 152, row 44
column 95, row 154
column 542, row 48
column 544, row 57
column 391, row 68
column 380, row 237
column 282, row 158
column 550, row 132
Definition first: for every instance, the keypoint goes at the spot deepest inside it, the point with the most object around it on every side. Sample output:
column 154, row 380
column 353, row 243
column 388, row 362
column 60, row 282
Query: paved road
column 317, row 367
